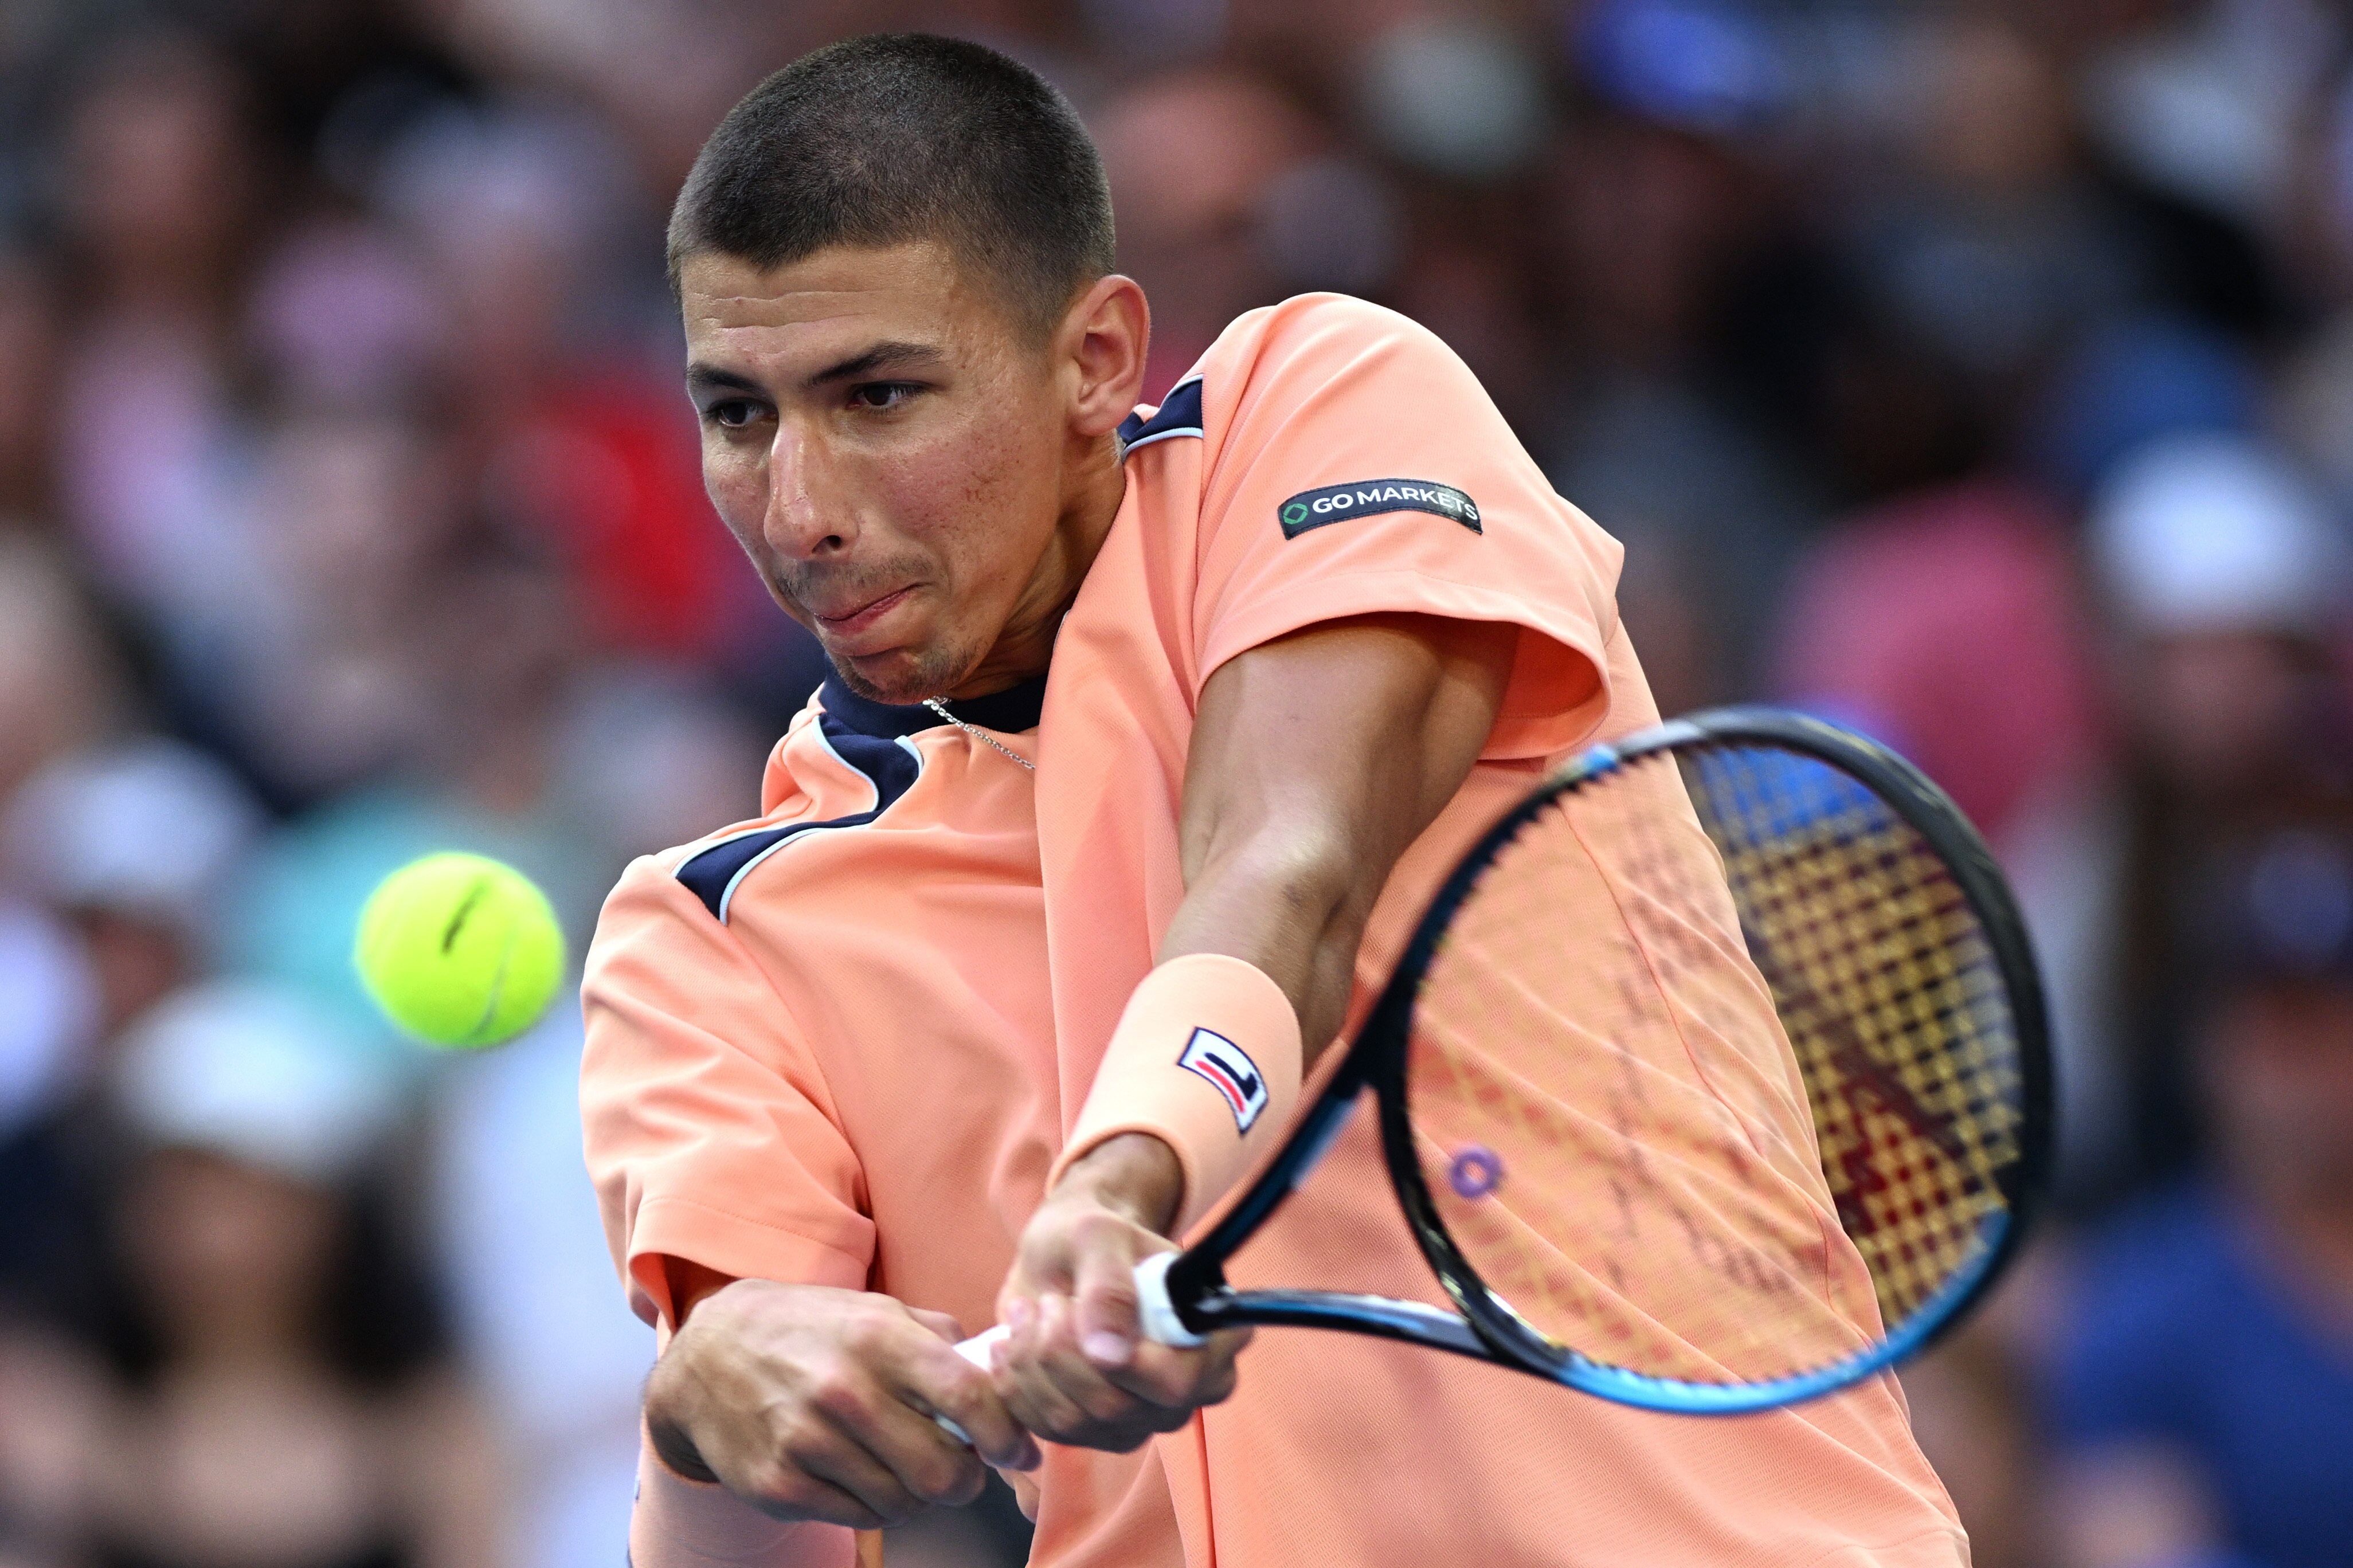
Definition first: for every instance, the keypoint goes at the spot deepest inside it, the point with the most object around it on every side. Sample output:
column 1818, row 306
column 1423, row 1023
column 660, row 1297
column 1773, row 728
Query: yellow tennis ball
column 460, row 950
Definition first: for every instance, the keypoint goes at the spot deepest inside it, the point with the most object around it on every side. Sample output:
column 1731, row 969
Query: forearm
column 1291, row 908
column 1317, row 760
column 681, row 1523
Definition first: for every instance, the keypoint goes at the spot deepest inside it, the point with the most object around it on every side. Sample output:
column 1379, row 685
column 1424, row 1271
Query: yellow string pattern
column 1714, row 1075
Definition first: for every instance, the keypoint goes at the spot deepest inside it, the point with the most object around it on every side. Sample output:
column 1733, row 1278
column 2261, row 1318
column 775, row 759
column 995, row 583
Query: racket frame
column 1483, row 1325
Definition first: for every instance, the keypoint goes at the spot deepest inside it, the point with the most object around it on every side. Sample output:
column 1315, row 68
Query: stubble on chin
column 908, row 676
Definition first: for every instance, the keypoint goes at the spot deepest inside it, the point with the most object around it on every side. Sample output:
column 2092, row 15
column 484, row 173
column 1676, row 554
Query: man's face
column 890, row 448
column 2279, row 1066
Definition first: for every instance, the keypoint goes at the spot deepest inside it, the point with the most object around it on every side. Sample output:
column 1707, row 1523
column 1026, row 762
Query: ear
column 1103, row 338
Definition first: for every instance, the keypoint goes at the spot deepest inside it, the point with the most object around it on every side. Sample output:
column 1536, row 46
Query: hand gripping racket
column 1775, row 1126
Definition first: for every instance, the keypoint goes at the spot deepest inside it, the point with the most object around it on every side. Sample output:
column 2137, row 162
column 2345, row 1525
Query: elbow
column 1309, row 879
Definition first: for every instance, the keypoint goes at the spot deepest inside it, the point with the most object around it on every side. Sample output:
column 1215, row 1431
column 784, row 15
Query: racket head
column 1896, row 969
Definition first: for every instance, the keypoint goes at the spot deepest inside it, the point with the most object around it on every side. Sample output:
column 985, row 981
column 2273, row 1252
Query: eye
column 882, row 395
column 732, row 413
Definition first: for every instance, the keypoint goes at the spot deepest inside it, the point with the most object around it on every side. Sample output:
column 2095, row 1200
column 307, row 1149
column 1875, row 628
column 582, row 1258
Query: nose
column 799, row 523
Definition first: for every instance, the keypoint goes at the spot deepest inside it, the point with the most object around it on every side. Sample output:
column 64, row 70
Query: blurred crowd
column 1979, row 374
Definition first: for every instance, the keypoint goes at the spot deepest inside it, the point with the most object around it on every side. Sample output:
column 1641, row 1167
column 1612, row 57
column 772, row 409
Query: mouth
column 861, row 618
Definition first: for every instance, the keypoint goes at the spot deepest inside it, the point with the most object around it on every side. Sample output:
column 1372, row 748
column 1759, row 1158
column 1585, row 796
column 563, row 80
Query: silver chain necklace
column 983, row 736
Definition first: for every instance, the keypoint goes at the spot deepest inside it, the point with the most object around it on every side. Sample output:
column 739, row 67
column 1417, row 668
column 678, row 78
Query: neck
column 1026, row 644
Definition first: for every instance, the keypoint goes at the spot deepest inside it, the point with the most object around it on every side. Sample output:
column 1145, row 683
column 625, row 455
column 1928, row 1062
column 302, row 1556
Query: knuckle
column 971, row 1406
column 798, row 1443
column 866, row 1336
column 948, row 1479
column 837, row 1393
column 1110, row 1281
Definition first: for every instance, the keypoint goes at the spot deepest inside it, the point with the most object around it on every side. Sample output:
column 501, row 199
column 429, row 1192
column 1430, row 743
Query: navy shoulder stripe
column 1179, row 414
column 891, row 765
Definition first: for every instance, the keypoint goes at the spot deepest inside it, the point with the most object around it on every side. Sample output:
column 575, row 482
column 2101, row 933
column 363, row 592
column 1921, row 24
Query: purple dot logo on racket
column 1474, row 1171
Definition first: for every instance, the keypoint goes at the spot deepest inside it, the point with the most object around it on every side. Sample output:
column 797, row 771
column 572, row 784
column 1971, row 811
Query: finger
column 952, row 1386
column 858, row 1435
column 1117, row 1413
column 1031, row 1394
column 1165, row 1375
column 1109, row 1326
column 788, row 1493
column 1016, row 1310
column 939, row 1323
column 927, row 1462
column 848, row 1463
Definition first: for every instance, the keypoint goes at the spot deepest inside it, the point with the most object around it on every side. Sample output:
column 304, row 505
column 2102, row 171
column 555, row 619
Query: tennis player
column 1149, row 730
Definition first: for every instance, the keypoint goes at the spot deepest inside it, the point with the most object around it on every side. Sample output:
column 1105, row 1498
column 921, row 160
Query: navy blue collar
column 1012, row 711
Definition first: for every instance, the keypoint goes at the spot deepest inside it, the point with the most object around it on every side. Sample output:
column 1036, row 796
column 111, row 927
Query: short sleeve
column 1353, row 466
column 708, row 1129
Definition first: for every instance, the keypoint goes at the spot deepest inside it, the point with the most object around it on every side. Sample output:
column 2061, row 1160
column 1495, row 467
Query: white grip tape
column 1158, row 1312
column 975, row 1350
column 1161, row 1323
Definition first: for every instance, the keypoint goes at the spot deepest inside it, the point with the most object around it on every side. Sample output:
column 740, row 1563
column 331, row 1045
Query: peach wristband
column 680, row 1523
column 1206, row 1059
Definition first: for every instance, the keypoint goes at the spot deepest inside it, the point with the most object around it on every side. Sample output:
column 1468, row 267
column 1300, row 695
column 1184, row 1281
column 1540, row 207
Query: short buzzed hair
column 898, row 138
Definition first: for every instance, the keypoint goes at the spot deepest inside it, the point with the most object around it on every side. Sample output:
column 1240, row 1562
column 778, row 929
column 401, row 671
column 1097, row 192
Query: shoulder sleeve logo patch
column 1369, row 498
column 1228, row 1069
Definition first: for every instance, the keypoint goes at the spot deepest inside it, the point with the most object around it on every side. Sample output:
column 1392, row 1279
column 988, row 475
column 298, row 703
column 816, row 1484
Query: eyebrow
column 701, row 377
column 891, row 354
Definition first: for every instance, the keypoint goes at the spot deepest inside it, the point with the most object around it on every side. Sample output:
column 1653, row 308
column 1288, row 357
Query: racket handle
column 1158, row 1313
column 975, row 1350
column 1161, row 1323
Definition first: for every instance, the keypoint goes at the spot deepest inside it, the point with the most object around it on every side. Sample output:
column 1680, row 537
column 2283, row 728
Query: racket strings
column 1658, row 1204
column 1713, row 1077
column 1892, row 1001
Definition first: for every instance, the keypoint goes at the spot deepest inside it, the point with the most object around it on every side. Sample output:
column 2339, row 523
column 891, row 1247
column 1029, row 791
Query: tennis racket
column 1776, row 1128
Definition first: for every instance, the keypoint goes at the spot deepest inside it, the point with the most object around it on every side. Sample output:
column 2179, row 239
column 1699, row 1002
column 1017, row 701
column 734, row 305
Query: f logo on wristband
column 1228, row 1070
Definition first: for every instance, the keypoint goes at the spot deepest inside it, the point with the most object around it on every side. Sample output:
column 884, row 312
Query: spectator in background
column 1943, row 623
column 272, row 1395
column 128, row 845
column 62, row 684
column 488, row 650
column 2223, row 578
column 568, row 429
column 304, row 665
column 28, row 356
column 1192, row 159
column 158, row 194
column 2201, row 1390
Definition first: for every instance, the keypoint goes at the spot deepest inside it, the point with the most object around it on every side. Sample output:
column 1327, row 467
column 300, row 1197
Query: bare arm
column 810, row 1401
column 1315, row 760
